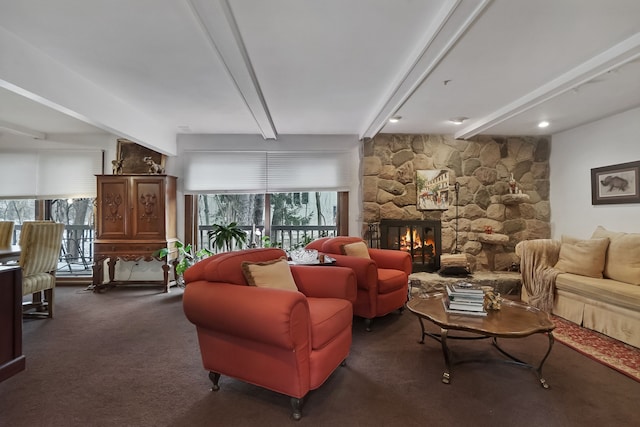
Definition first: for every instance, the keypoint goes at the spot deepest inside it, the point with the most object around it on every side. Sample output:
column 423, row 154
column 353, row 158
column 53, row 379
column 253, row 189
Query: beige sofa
column 594, row 283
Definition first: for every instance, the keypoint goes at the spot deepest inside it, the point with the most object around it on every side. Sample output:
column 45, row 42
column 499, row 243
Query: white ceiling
column 151, row 69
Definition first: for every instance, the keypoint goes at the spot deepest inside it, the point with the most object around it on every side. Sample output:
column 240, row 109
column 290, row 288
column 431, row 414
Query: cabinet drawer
column 129, row 248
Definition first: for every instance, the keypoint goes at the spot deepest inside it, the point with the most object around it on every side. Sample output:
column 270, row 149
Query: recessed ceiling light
column 395, row 119
column 458, row 120
column 543, row 124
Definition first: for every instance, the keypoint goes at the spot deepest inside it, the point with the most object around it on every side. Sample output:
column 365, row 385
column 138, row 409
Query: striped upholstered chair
column 40, row 243
column 6, row 233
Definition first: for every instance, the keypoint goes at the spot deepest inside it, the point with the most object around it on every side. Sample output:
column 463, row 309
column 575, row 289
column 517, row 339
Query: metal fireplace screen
column 421, row 239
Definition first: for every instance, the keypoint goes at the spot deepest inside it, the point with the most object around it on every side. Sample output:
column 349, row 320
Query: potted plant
column 222, row 237
column 186, row 258
column 267, row 243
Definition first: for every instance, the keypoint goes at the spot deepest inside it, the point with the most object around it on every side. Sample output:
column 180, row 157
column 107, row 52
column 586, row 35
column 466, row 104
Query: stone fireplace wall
column 482, row 166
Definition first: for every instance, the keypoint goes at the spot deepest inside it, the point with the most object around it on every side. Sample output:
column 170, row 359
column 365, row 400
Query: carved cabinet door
column 113, row 208
column 148, row 213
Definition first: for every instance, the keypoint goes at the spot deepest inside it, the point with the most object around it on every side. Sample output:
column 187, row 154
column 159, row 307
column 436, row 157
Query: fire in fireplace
column 421, row 239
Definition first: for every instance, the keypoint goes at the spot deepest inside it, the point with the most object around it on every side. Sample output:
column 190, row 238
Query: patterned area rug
column 622, row 357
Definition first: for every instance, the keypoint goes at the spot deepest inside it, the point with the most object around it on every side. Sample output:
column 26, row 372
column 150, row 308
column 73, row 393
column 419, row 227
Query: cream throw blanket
column 537, row 258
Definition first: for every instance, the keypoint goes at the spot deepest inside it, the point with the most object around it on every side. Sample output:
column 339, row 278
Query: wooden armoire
column 135, row 217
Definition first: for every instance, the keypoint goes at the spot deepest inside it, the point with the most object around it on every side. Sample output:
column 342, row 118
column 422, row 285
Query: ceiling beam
column 611, row 59
column 21, row 130
column 219, row 26
column 453, row 20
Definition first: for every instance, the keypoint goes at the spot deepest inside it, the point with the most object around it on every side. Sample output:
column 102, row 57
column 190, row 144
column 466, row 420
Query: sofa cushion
column 623, row 255
column 328, row 317
column 601, row 290
column 584, row 257
column 269, row 274
column 390, row 280
column 357, row 249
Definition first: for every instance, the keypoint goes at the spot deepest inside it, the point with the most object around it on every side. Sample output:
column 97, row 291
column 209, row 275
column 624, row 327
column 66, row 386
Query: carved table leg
column 112, row 267
column 422, row 335
column 446, row 376
column 536, row 370
column 165, row 270
column 98, row 275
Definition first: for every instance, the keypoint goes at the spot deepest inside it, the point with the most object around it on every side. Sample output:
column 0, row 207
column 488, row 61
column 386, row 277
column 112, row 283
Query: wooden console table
column 12, row 360
column 112, row 252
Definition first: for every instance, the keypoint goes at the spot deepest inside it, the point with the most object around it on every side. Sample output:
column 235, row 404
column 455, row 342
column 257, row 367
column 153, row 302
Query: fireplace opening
column 420, row 239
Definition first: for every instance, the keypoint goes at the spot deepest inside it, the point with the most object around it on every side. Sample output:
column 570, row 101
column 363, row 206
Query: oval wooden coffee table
column 513, row 320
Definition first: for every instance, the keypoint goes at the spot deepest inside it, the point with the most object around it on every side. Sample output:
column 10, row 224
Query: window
column 76, row 256
column 18, row 210
column 294, row 218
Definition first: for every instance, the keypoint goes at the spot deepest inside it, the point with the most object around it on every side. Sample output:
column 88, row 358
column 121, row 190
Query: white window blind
column 18, row 175
column 225, row 172
column 261, row 172
column 297, row 171
column 54, row 174
column 66, row 174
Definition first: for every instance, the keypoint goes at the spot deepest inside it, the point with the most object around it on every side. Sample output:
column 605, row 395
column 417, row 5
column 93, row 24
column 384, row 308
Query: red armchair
column 383, row 279
column 286, row 341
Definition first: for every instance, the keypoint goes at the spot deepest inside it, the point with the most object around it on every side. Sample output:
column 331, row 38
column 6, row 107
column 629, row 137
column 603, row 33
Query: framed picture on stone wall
column 432, row 188
column 616, row 184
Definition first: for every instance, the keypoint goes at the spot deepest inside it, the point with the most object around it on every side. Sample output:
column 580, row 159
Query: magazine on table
column 467, row 288
column 463, row 312
column 464, row 296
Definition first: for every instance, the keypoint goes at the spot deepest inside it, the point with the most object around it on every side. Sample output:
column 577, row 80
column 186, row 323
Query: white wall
column 283, row 143
column 573, row 154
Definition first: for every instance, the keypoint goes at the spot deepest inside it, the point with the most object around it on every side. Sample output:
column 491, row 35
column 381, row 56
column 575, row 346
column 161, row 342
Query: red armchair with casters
column 288, row 341
column 382, row 275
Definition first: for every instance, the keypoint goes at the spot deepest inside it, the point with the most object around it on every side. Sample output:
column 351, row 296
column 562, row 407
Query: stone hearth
column 505, row 282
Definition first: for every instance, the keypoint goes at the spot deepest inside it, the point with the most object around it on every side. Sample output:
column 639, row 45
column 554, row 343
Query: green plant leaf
column 223, row 237
column 161, row 253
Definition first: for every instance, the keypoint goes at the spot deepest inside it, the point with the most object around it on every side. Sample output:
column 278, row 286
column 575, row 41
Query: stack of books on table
column 464, row 298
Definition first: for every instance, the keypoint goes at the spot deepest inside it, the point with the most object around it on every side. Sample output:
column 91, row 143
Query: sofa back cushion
column 623, row 255
column 228, row 267
column 583, row 257
column 334, row 245
column 317, row 244
column 357, row 249
column 274, row 274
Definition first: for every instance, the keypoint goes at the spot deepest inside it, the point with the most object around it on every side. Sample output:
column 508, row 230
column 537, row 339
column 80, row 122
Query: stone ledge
column 505, row 282
column 515, row 199
column 493, row 239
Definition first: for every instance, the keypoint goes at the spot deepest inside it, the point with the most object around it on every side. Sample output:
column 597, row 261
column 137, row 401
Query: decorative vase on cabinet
column 135, row 217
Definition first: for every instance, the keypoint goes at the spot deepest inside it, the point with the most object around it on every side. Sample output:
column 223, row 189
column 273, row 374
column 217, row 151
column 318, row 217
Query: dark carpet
column 129, row 357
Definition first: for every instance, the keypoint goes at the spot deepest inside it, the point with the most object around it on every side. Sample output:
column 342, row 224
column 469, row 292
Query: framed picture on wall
column 136, row 159
column 616, row 184
column 432, row 187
